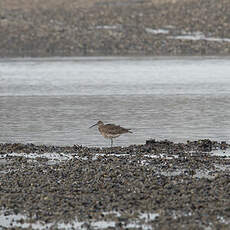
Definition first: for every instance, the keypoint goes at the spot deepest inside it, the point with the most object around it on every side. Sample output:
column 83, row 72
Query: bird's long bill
column 92, row 126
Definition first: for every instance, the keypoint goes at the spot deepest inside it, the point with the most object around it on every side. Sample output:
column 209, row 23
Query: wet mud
column 157, row 185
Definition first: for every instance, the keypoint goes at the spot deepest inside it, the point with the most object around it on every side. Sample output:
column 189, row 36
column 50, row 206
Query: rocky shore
column 158, row 185
column 114, row 27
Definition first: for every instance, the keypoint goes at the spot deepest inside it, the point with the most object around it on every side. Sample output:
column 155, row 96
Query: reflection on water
column 54, row 101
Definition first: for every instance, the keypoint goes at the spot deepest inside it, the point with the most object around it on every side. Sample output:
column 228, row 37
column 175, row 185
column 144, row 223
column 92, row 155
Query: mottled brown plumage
column 110, row 130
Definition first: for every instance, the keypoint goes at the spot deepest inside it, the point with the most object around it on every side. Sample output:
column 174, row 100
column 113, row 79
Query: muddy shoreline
column 117, row 28
column 184, row 185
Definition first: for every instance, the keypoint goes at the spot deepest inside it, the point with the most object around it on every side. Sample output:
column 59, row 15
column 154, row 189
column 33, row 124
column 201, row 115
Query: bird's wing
column 115, row 129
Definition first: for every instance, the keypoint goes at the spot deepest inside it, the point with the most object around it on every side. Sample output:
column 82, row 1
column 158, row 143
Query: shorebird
column 110, row 131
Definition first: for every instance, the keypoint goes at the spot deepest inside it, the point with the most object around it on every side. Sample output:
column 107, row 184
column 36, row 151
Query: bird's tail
column 129, row 131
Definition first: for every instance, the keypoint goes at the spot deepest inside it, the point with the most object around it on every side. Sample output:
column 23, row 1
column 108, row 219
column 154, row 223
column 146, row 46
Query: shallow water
column 54, row 101
column 19, row 220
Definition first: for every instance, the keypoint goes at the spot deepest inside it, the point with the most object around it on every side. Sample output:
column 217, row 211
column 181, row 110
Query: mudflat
column 158, row 185
column 114, row 27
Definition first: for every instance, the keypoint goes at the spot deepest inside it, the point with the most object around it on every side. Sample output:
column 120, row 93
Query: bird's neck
column 100, row 126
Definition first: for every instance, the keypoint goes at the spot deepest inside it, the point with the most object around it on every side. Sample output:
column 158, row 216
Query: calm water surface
column 54, row 101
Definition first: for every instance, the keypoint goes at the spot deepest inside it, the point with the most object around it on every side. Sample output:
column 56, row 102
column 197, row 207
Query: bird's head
column 99, row 123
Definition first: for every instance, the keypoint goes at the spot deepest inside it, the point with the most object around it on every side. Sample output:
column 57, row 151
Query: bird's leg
column 111, row 142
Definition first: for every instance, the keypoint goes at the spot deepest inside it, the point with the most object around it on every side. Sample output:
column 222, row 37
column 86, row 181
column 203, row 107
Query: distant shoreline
column 111, row 57
column 146, row 28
